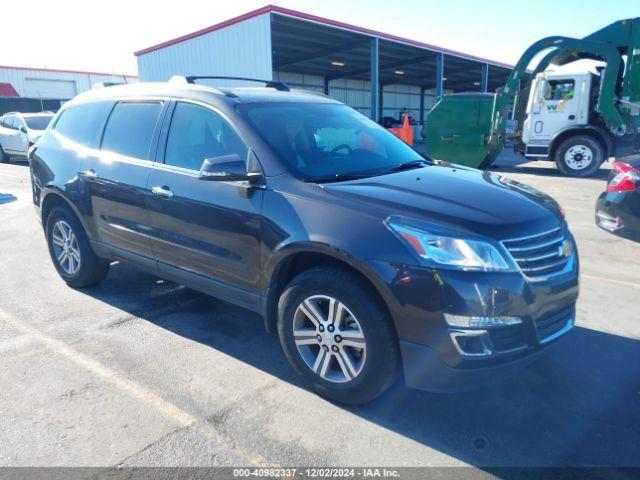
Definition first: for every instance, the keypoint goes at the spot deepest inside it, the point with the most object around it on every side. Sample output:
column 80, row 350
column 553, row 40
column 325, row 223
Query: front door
column 22, row 138
column 115, row 178
column 555, row 107
column 12, row 136
column 207, row 232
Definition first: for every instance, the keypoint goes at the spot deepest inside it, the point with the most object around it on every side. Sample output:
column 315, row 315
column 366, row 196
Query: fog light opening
column 472, row 344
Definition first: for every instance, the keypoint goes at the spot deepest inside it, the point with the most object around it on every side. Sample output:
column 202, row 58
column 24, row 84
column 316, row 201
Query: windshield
column 320, row 141
column 38, row 122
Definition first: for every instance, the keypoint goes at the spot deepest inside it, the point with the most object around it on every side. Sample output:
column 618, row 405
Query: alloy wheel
column 329, row 339
column 65, row 247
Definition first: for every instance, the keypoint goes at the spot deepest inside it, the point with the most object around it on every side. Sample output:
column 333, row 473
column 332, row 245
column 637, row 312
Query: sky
column 102, row 36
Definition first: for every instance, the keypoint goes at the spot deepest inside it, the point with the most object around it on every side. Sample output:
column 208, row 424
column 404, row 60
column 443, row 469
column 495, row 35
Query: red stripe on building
column 7, row 90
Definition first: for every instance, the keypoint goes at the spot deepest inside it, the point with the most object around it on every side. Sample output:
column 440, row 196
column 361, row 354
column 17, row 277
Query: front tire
column 337, row 335
column 71, row 252
column 579, row 156
column 4, row 158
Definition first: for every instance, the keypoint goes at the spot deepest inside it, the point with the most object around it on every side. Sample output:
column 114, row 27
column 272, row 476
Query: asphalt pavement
column 142, row 372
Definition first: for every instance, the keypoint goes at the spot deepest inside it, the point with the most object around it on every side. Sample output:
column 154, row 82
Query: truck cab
column 560, row 124
column 556, row 102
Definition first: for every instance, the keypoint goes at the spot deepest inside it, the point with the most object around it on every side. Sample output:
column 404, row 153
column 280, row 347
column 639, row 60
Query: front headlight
column 449, row 251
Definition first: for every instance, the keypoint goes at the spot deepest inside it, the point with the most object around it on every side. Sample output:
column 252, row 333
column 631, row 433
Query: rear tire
column 70, row 251
column 579, row 156
column 351, row 357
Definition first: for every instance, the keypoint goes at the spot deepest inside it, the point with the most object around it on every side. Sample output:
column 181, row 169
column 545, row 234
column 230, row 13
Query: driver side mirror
column 227, row 168
column 23, row 129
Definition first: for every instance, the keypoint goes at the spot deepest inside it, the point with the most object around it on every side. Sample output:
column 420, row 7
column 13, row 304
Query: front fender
column 280, row 257
column 582, row 129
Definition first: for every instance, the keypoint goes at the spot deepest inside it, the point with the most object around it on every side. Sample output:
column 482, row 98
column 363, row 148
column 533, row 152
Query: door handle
column 572, row 117
column 163, row 191
column 91, row 173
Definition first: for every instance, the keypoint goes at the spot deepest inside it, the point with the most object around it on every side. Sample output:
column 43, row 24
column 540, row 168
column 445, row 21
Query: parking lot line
column 149, row 398
column 141, row 393
column 611, row 280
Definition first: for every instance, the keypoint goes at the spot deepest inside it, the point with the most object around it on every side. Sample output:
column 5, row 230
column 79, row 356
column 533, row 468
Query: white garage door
column 45, row 88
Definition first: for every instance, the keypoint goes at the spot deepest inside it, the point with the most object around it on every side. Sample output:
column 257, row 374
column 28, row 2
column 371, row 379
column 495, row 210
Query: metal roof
column 56, row 70
column 309, row 44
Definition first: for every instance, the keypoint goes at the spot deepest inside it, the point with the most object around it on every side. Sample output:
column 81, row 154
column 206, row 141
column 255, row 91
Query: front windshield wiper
column 409, row 165
column 340, row 177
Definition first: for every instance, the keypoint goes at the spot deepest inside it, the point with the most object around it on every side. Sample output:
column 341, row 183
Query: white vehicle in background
column 18, row 131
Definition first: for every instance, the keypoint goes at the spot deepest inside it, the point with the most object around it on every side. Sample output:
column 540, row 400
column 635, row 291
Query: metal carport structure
column 330, row 50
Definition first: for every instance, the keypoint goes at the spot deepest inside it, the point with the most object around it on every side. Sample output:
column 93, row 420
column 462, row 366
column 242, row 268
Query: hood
column 456, row 197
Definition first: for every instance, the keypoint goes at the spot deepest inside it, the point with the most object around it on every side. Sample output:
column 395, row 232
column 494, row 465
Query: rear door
column 204, row 231
column 115, row 178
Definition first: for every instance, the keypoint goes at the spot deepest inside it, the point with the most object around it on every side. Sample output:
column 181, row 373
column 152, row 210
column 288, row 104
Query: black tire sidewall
column 92, row 269
column 381, row 360
column 4, row 158
column 594, row 145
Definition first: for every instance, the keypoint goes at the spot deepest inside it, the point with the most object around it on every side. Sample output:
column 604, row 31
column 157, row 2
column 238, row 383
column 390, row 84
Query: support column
column 326, row 85
column 375, row 78
column 422, row 90
column 484, row 83
column 439, row 75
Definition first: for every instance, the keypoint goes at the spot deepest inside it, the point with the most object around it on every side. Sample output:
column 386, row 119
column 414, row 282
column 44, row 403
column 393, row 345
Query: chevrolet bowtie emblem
column 564, row 250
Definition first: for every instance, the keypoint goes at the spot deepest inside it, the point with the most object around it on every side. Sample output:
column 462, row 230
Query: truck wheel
column 337, row 335
column 579, row 156
column 71, row 252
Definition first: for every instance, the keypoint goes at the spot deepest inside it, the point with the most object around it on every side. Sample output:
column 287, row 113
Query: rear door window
column 130, row 128
column 83, row 123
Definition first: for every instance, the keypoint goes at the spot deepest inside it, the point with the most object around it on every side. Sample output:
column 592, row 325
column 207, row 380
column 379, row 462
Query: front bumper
column 432, row 359
column 424, row 369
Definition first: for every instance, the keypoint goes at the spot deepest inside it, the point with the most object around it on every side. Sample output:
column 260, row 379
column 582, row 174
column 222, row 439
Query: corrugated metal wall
column 244, row 50
column 356, row 93
column 52, row 84
column 240, row 50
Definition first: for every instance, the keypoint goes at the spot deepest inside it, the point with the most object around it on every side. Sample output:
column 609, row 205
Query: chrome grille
column 541, row 255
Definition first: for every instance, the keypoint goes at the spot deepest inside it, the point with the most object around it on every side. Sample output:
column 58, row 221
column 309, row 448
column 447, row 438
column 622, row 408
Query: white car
column 18, row 131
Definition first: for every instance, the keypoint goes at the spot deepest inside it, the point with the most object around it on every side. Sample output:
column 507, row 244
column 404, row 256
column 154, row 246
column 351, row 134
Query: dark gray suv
column 367, row 258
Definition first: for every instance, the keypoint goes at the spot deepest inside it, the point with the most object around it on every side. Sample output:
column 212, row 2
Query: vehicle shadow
column 577, row 405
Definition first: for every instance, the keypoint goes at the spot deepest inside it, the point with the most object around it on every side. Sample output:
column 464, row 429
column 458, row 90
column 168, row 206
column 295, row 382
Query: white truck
column 558, row 123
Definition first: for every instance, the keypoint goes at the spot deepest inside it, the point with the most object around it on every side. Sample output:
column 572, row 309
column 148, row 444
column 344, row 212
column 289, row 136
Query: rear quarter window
column 83, row 123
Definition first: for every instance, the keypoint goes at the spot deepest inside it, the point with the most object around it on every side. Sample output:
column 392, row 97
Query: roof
column 37, row 114
column 56, row 70
column 7, row 90
column 320, row 20
column 192, row 91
